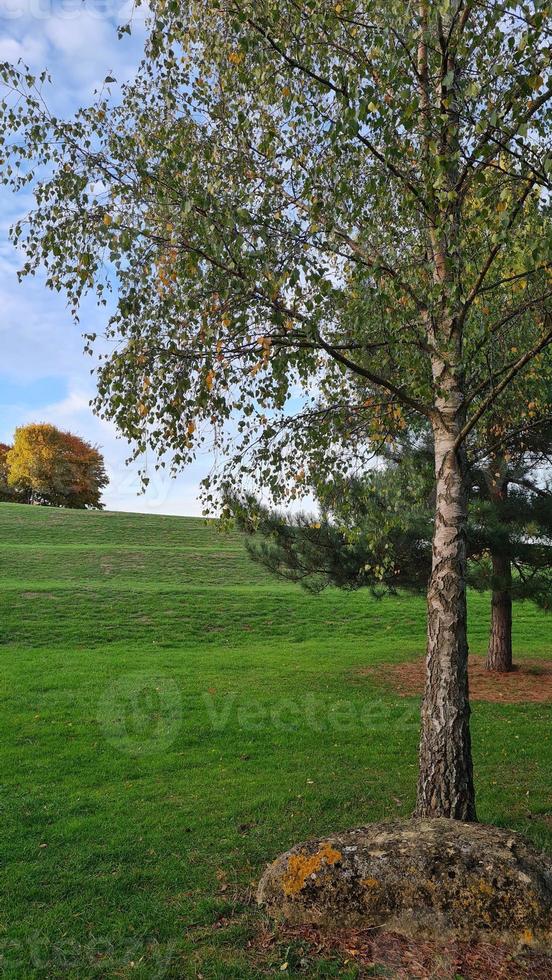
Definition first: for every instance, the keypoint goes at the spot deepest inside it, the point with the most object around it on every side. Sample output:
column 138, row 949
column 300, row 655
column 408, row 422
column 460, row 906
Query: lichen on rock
column 432, row 877
column 302, row 866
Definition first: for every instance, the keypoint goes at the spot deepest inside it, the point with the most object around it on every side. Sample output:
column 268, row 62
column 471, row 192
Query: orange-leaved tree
column 48, row 466
column 7, row 493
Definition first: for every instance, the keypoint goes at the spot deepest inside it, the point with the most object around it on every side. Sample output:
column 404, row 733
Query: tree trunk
column 499, row 655
column 445, row 786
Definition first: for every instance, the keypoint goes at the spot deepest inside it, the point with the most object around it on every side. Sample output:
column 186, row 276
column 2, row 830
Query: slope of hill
column 172, row 718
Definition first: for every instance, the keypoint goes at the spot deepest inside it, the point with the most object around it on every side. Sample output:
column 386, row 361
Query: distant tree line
column 48, row 466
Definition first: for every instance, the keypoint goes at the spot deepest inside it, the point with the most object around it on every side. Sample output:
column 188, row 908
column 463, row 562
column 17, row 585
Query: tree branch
column 420, row 407
column 545, row 340
column 494, row 251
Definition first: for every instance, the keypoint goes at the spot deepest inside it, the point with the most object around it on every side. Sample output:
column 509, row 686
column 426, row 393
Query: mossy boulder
column 428, row 877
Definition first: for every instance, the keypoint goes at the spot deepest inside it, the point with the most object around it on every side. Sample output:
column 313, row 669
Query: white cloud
column 75, row 40
column 164, row 495
column 30, row 50
column 81, row 35
column 10, row 49
column 37, row 334
column 14, row 10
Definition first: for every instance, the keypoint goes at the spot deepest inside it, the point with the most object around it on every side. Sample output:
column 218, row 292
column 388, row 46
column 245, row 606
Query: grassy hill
column 172, row 718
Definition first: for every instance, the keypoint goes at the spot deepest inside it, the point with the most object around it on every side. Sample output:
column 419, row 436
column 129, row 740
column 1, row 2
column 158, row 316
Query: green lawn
column 172, row 718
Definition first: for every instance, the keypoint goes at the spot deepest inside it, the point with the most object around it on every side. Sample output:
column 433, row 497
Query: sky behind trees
column 44, row 376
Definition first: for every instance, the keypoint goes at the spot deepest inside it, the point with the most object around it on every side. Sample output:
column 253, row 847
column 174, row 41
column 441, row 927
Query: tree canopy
column 6, row 492
column 48, row 466
column 263, row 198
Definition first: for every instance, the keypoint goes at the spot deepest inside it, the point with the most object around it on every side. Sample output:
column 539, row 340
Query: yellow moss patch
column 301, row 866
column 485, row 888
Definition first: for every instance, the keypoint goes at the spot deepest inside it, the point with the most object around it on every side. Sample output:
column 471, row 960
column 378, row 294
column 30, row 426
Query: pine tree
column 510, row 536
column 377, row 532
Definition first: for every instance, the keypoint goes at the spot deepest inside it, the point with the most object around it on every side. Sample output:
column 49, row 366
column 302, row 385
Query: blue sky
column 44, row 374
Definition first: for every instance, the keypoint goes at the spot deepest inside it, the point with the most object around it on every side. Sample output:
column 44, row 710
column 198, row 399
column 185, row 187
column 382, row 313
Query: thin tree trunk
column 499, row 654
column 445, row 786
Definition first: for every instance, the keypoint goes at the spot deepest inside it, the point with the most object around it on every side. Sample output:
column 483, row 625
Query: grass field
column 172, row 718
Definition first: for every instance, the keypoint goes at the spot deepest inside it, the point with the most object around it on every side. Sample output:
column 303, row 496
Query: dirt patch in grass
column 530, row 681
column 389, row 954
column 38, row 595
